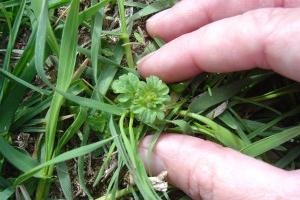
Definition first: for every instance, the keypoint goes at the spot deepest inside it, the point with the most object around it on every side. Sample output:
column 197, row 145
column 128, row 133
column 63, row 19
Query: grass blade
column 20, row 160
column 156, row 6
column 7, row 193
column 66, row 66
column 91, row 11
column 96, row 42
column 64, row 180
column 80, row 168
column 289, row 157
column 274, row 122
column 24, row 83
column 219, row 95
column 41, row 42
column 10, row 46
column 61, row 158
column 94, row 104
column 268, row 143
column 10, row 103
column 79, row 120
column 67, row 59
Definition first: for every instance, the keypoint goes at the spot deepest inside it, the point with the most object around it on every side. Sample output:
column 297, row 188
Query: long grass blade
column 10, row 46
column 7, row 193
column 61, row 158
column 268, row 143
column 20, row 160
column 66, row 66
column 64, row 180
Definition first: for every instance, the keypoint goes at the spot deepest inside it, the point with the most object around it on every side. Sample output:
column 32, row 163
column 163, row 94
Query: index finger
column 189, row 15
column 266, row 38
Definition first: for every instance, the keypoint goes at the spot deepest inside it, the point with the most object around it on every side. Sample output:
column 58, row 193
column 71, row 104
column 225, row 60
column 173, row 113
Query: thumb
column 205, row 170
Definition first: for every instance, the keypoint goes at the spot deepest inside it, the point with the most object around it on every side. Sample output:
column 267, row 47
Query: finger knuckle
column 202, row 179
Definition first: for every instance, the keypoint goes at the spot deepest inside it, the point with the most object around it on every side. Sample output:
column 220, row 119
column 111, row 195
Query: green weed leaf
column 126, row 86
column 150, row 100
column 146, row 100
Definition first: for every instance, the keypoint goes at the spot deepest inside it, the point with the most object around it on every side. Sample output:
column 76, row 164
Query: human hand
column 233, row 35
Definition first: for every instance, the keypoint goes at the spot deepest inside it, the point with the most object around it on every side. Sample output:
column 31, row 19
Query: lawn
column 73, row 108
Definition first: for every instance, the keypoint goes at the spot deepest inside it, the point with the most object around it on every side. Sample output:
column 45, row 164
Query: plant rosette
column 147, row 100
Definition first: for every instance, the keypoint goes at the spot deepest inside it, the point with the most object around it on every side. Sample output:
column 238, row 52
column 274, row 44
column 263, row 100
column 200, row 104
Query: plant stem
column 124, row 36
column 131, row 132
column 128, row 146
column 220, row 133
column 197, row 117
column 44, row 185
column 121, row 125
column 41, row 189
column 119, row 194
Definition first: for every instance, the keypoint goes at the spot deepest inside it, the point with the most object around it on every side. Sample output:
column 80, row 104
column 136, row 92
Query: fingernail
column 153, row 163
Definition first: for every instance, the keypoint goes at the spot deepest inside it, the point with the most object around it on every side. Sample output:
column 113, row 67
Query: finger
column 267, row 38
column 205, row 170
column 188, row 15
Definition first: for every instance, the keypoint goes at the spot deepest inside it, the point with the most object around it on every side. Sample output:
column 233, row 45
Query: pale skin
column 222, row 36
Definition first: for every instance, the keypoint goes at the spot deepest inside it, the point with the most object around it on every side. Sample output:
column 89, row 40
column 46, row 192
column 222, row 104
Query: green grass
column 56, row 75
